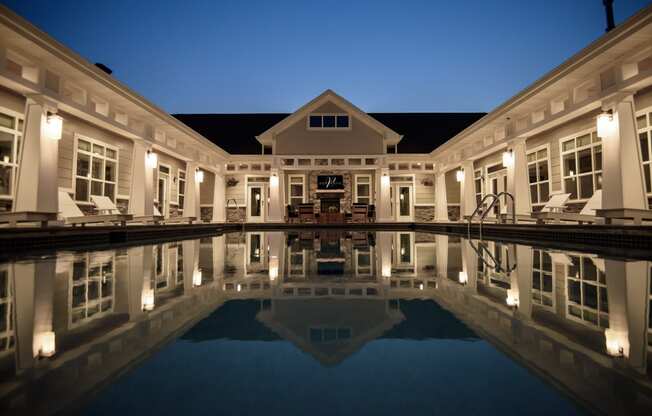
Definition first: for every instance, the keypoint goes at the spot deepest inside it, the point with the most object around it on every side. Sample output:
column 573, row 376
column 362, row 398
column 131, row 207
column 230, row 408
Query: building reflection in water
column 580, row 321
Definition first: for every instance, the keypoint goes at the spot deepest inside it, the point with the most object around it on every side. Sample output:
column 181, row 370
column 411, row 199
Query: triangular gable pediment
column 329, row 102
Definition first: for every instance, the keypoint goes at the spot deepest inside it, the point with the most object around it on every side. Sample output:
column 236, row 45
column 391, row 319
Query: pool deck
column 616, row 240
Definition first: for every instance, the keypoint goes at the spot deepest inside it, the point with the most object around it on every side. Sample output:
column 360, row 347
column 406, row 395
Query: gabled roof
column 236, row 133
column 389, row 136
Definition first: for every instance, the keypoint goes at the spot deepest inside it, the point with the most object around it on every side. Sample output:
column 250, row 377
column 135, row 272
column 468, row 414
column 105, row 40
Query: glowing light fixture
column 148, row 300
column 151, row 159
column 508, row 158
column 420, row 286
column 463, row 278
column 199, row 175
column 273, row 267
column 197, row 278
column 459, row 175
column 616, row 342
column 48, row 345
column 53, row 126
column 512, row 300
column 273, row 180
column 238, row 288
column 384, row 180
column 387, row 271
column 605, row 124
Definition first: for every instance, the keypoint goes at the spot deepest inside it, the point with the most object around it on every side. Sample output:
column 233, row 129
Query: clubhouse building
column 70, row 132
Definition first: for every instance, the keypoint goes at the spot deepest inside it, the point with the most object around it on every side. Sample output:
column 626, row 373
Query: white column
column 219, row 199
column 191, row 273
column 622, row 173
column 276, row 244
column 383, row 202
column 141, row 198
column 143, row 266
column 627, row 286
column 191, row 199
column 276, row 196
column 441, row 252
column 441, row 201
column 38, row 169
column 469, row 273
column 517, row 179
column 384, row 253
column 521, row 289
column 467, row 194
column 219, row 252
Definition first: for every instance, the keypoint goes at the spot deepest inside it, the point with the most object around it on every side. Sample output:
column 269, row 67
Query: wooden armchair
column 359, row 213
column 306, row 213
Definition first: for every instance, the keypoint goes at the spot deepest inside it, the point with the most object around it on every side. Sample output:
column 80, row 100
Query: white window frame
column 179, row 194
column 478, row 175
column 91, row 260
column 89, row 178
column 647, row 112
column 542, row 274
column 538, row 183
column 18, row 135
column 303, row 188
column 576, row 175
column 9, row 333
column 336, row 128
column 355, row 188
column 581, row 280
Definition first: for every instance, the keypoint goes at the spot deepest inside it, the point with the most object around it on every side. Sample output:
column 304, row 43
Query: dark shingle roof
column 422, row 132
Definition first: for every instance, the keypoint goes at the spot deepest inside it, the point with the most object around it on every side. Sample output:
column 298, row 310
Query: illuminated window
column 586, row 292
column 96, row 171
column 644, row 125
column 539, row 176
column 296, row 187
column 11, row 131
column 581, row 165
column 362, row 189
column 181, row 188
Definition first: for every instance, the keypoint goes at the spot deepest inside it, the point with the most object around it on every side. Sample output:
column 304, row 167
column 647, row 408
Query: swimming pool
column 325, row 322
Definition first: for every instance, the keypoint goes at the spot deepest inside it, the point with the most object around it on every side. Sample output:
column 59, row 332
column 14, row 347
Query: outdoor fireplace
column 330, row 205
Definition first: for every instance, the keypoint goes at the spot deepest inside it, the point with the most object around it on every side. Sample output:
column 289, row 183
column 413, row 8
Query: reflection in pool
column 325, row 323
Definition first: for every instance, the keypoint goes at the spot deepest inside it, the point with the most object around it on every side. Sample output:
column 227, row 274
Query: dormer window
column 328, row 121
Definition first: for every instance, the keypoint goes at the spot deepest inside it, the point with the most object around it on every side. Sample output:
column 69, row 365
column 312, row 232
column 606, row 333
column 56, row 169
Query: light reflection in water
column 572, row 315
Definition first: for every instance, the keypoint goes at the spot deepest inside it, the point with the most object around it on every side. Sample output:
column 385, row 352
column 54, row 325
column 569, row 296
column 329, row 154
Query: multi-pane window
column 296, row 190
column 181, row 191
column 582, row 165
column 328, row 121
column 539, row 176
column 96, row 171
column 7, row 339
column 92, row 288
column 587, row 292
column 477, row 183
column 644, row 125
column 542, row 284
column 363, row 189
column 11, row 131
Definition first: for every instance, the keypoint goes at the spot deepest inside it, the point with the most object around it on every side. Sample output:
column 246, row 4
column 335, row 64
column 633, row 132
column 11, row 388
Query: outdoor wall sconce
column 273, row 180
column 605, row 123
column 53, row 126
column 463, row 278
column 199, row 175
column 384, row 180
column 151, row 159
column 508, row 158
column 48, row 346
column 197, row 278
column 615, row 342
column 459, row 175
column 148, row 300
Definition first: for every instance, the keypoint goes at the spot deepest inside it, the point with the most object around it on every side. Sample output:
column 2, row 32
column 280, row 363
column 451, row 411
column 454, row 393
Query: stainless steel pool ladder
column 237, row 209
column 495, row 198
column 497, row 266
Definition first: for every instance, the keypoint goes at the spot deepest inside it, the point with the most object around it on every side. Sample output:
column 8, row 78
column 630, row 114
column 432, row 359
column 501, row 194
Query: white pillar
column 191, row 272
column 441, row 252
column 383, row 202
column 469, row 273
column 143, row 265
column 219, row 199
column 219, row 252
column 276, row 196
column 517, row 179
column 191, row 199
column 141, row 198
column 467, row 194
column 38, row 169
column 622, row 174
column 384, row 253
column 522, row 279
column 276, row 244
column 627, row 286
column 441, row 201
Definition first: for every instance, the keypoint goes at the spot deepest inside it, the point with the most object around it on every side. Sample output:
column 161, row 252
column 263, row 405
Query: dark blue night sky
column 273, row 56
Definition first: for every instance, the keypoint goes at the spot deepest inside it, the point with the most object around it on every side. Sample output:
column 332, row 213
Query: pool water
column 325, row 323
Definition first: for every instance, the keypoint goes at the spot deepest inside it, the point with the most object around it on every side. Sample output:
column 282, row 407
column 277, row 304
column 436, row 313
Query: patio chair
column 104, row 205
column 359, row 213
column 555, row 211
column 71, row 214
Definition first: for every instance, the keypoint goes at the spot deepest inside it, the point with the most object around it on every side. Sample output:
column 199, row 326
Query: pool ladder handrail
column 495, row 199
column 497, row 266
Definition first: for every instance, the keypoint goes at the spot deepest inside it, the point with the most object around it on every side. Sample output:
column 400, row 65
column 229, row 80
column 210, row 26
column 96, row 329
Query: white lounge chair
column 104, row 205
column 586, row 215
column 71, row 214
column 174, row 220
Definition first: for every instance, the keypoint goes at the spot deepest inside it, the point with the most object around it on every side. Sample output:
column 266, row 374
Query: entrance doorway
column 162, row 190
column 497, row 178
column 402, row 201
column 256, row 203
